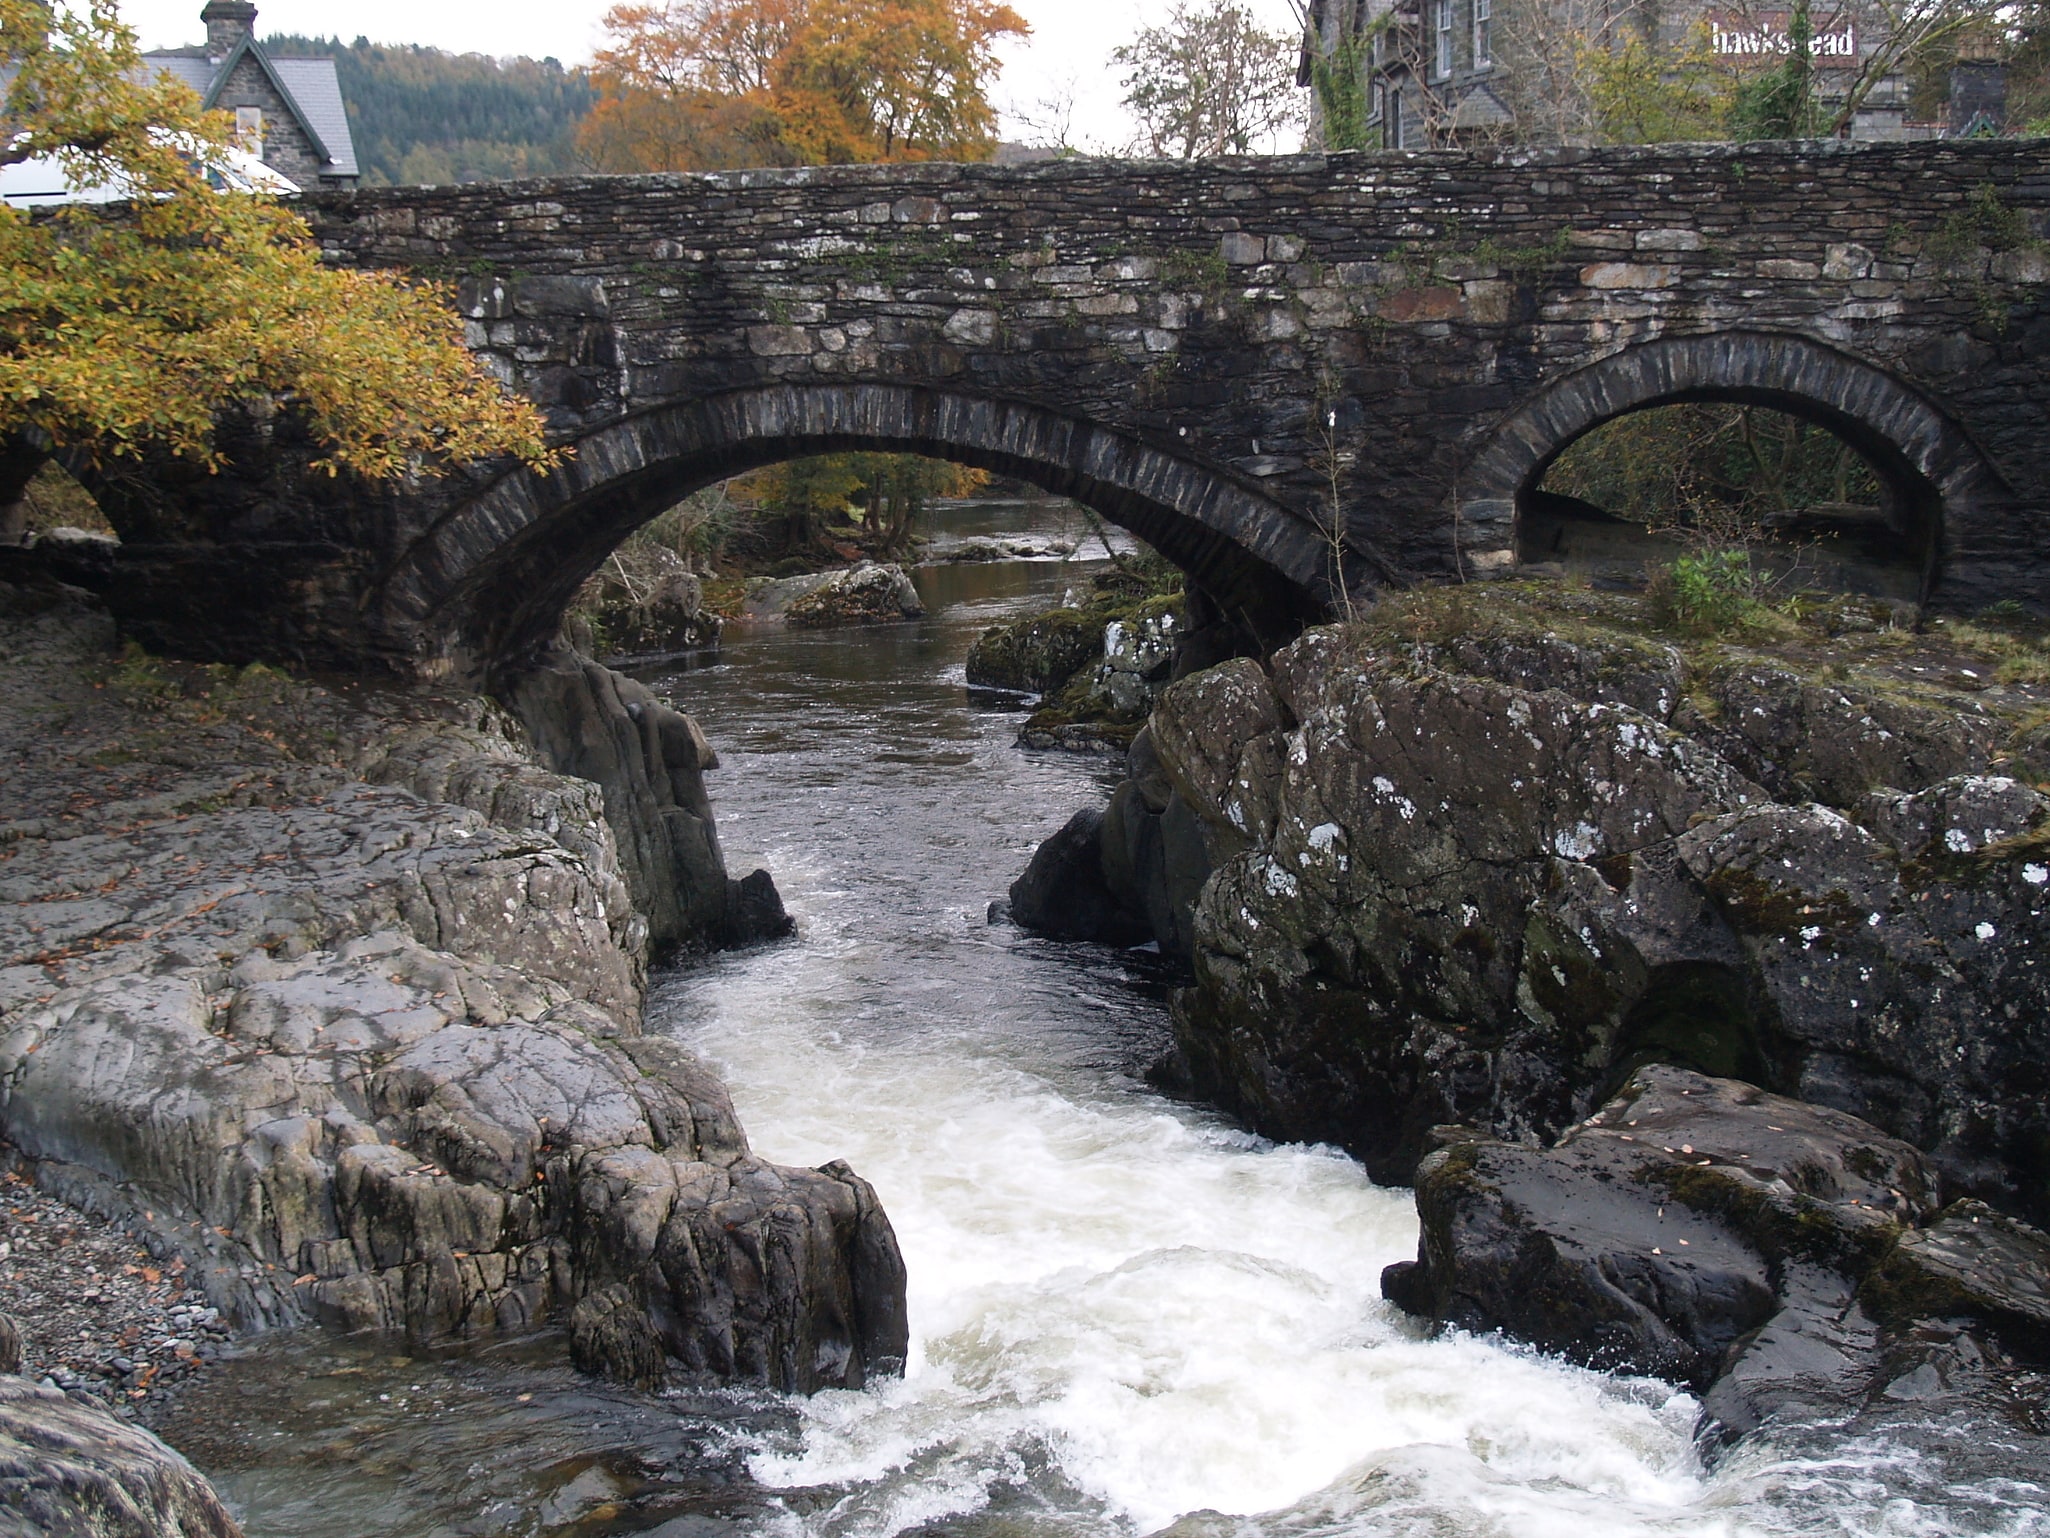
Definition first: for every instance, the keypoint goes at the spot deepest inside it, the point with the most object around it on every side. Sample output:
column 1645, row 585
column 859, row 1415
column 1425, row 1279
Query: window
column 1394, row 128
column 1483, row 32
column 1442, row 26
column 249, row 129
column 1377, row 101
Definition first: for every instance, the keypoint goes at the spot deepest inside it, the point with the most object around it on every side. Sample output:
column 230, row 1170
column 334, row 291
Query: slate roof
column 310, row 87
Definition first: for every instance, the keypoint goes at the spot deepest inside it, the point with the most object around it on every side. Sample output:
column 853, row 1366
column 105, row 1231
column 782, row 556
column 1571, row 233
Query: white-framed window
column 249, row 129
column 1442, row 38
column 1377, row 101
column 1483, row 32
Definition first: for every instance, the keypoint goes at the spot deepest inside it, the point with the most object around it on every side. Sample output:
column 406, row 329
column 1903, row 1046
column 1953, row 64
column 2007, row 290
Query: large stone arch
column 489, row 581
column 1943, row 489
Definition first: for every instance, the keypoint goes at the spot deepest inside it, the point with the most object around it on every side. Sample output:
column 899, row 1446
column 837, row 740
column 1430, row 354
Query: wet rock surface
column 68, row 1468
column 1788, row 1261
column 1476, row 880
column 339, row 994
column 866, row 594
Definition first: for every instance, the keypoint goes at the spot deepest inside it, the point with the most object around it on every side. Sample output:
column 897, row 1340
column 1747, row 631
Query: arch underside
column 493, row 577
column 1936, row 480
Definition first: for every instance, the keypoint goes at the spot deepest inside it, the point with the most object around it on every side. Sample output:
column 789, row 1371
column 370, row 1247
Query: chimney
column 228, row 22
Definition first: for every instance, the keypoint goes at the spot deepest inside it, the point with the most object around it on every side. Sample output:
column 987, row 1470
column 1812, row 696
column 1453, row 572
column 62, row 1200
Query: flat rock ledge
column 1790, row 1262
column 341, row 992
column 70, row 1470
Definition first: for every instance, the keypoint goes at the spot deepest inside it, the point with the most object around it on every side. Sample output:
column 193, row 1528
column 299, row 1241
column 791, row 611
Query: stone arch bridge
column 1291, row 375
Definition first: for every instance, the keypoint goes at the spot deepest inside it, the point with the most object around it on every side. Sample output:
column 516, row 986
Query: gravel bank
column 101, row 1316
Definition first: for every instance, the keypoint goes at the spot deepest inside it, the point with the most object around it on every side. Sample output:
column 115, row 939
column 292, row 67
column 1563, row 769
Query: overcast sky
column 1069, row 52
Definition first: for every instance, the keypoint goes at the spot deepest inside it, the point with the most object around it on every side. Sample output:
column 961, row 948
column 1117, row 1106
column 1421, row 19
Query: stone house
column 288, row 112
column 1462, row 71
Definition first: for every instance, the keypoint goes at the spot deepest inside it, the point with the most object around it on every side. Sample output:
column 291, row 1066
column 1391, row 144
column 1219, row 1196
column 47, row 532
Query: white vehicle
column 41, row 182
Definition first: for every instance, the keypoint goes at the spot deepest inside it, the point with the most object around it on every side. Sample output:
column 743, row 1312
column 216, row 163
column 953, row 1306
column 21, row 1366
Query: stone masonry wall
column 1264, row 327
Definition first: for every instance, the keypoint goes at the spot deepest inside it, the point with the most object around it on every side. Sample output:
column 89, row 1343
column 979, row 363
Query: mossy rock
column 1079, row 720
column 1037, row 655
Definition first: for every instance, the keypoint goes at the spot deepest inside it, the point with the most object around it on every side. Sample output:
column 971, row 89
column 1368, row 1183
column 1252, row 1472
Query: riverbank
column 1524, row 898
column 337, row 994
column 100, row 1314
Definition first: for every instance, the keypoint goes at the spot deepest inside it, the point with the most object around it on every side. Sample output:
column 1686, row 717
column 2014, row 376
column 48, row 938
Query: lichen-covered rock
column 866, row 594
column 1036, row 655
column 1101, row 708
column 1365, row 964
column 1803, row 739
column 375, row 1059
column 1785, row 1259
column 1440, row 896
column 69, row 1470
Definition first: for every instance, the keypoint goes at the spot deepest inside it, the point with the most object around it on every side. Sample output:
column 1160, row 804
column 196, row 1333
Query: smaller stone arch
column 488, row 583
column 1943, row 491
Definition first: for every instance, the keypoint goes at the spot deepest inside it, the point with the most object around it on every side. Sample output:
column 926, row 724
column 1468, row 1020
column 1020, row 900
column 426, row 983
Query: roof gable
column 310, row 89
column 248, row 49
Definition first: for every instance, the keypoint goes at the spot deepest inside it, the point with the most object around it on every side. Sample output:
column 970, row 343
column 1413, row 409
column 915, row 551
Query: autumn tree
column 126, row 330
column 700, row 84
column 1208, row 81
column 688, row 86
column 1638, row 92
column 896, row 489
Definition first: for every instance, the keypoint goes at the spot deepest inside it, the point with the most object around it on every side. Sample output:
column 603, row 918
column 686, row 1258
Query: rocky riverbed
column 335, row 997
column 1446, row 876
column 99, row 1314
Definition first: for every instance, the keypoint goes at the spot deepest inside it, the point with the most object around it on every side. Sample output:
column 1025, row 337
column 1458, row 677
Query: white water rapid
column 1128, row 1316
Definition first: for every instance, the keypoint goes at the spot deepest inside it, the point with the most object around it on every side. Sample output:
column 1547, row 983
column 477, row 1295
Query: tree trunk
column 19, row 462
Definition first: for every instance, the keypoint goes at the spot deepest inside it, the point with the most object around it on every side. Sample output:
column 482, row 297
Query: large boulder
column 1788, row 1261
column 1475, row 881
column 71, row 1470
column 350, row 1019
column 867, row 594
column 1063, row 893
column 1101, row 708
column 1036, row 655
column 649, row 761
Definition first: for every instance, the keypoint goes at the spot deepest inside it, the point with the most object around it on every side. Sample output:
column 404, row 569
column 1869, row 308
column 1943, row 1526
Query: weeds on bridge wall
column 1966, row 243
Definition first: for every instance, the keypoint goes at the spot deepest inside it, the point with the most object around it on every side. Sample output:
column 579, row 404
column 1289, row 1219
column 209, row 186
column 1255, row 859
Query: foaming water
column 1128, row 1316
column 1123, row 1309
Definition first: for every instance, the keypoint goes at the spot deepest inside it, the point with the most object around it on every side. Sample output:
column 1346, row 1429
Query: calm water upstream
column 1124, row 1310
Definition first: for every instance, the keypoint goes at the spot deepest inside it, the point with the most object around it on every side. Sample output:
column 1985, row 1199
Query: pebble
column 100, row 1316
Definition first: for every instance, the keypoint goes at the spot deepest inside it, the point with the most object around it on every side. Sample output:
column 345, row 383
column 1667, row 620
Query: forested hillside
column 424, row 116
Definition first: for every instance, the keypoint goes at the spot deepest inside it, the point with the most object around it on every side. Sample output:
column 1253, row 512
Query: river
column 1126, row 1312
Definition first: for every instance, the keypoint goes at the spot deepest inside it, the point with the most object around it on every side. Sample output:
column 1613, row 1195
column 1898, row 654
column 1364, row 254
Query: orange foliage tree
column 703, row 84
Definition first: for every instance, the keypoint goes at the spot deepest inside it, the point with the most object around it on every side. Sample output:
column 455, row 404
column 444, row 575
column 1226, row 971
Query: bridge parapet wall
column 1386, row 334
column 1264, row 318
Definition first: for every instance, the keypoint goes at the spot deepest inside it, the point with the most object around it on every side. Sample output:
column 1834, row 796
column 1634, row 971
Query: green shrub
column 1712, row 591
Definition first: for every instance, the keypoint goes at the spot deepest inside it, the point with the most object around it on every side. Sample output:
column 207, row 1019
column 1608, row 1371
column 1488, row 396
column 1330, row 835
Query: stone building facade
column 1464, row 71
column 289, row 112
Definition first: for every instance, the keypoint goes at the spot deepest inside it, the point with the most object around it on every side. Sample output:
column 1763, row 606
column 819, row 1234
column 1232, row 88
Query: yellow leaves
column 130, row 327
column 1650, row 93
column 699, row 84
